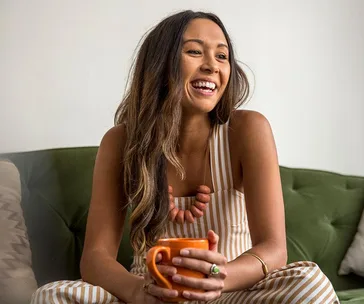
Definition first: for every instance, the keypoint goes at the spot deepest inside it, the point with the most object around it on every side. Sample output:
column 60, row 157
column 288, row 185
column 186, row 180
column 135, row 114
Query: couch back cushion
column 323, row 210
column 322, row 213
column 56, row 192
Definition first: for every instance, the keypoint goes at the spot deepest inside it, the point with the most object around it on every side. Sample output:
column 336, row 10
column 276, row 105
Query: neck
column 194, row 134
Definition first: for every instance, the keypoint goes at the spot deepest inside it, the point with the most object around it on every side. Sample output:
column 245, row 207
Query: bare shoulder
column 246, row 125
column 115, row 137
column 113, row 143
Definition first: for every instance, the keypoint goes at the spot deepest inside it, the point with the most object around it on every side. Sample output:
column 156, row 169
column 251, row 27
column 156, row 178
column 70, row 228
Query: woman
column 190, row 165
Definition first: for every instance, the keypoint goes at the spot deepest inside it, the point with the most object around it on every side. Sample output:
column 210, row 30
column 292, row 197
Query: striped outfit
column 299, row 282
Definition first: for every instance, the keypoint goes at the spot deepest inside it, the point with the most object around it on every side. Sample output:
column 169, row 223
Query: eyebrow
column 202, row 43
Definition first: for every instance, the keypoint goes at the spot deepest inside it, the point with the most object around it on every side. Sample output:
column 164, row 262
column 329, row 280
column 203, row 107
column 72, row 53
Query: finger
column 160, row 292
column 200, row 255
column 204, row 296
column 189, row 217
column 203, row 189
column 171, row 199
column 170, row 189
column 201, row 206
column 173, row 214
column 196, row 212
column 158, row 258
column 193, row 264
column 205, row 198
column 171, row 206
column 180, row 217
column 204, row 284
column 213, row 239
column 167, row 270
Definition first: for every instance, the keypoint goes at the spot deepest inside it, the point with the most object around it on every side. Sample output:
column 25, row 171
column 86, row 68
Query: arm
column 105, row 222
column 264, row 201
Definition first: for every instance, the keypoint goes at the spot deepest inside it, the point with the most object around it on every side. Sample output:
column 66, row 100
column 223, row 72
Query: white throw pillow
column 17, row 280
column 354, row 257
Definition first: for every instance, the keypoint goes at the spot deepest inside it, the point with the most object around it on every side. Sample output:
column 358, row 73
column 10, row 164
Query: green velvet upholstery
column 322, row 213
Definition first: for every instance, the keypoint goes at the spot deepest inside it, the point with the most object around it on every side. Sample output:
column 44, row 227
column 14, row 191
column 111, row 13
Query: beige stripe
column 288, row 285
column 331, row 296
column 305, row 283
column 223, row 217
column 102, row 296
column 82, row 293
column 223, row 165
column 220, row 160
column 227, row 160
column 238, row 236
column 236, row 297
column 174, row 224
column 98, row 295
column 217, row 218
column 269, row 288
column 67, row 291
column 200, row 231
column 214, row 163
column 264, row 289
column 325, row 286
column 317, row 287
column 57, row 295
column 232, row 239
column 281, row 283
column 213, row 221
column 298, row 282
column 279, row 286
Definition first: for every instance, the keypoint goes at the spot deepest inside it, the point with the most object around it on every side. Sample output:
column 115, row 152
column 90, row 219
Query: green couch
column 322, row 213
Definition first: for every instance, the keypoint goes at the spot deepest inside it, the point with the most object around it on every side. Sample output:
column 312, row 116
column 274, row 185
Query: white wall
column 63, row 67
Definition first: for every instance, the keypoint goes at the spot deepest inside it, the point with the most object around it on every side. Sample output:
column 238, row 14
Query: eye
column 194, row 52
column 222, row 56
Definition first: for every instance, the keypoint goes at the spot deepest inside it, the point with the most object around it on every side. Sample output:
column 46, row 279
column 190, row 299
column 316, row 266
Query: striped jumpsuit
column 299, row 282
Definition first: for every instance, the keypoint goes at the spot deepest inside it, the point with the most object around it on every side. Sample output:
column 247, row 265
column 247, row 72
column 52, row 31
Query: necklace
column 202, row 198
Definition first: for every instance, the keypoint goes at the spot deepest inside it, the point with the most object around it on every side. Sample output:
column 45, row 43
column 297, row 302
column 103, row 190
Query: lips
column 203, row 89
column 204, row 84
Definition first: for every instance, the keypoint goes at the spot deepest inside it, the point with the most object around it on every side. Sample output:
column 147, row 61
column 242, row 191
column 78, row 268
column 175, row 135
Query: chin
column 199, row 107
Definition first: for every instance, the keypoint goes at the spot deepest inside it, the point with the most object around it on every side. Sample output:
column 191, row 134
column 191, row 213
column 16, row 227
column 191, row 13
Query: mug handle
column 152, row 267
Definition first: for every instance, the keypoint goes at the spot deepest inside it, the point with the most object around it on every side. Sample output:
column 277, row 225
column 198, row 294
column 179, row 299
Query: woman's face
column 204, row 64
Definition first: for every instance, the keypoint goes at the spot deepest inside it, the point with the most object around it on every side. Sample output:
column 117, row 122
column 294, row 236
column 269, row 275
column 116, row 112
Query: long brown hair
column 151, row 111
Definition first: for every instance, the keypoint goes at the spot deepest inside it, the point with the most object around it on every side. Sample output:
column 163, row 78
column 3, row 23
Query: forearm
column 246, row 270
column 99, row 269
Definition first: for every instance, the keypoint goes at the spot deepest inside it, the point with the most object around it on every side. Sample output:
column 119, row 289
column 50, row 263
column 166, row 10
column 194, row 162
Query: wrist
column 137, row 287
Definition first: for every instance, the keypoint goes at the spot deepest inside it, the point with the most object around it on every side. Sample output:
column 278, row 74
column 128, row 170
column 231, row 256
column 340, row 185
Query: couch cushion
column 56, row 192
column 323, row 210
column 17, row 281
column 353, row 296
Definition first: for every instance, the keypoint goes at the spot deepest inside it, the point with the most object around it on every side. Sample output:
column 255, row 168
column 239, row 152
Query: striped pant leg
column 72, row 292
column 299, row 282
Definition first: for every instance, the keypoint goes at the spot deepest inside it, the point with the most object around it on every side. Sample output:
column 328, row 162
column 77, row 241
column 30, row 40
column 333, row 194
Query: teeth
column 205, row 84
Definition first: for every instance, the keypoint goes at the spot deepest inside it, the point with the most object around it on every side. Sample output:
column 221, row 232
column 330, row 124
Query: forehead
column 204, row 29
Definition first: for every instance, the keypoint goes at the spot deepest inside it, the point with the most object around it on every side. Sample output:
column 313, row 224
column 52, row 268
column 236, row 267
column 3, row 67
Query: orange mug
column 170, row 248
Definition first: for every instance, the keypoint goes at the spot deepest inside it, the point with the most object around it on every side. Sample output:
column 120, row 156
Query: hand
column 148, row 292
column 202, row 260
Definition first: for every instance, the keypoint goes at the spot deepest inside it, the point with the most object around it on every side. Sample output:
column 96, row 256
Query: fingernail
column 184, row 252
column 186, row 294
column 176, row 261
column 173, row 293
column 176, row 278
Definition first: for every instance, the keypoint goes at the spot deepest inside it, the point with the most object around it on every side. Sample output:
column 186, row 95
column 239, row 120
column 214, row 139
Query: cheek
column 225, row 75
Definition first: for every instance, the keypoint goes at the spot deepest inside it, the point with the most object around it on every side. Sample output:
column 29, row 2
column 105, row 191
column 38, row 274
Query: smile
column 206, row 88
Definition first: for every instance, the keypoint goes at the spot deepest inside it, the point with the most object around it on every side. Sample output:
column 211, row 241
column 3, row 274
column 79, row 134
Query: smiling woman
column 189, row 165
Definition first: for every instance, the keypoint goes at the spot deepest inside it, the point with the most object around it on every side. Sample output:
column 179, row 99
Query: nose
column 209, row 65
